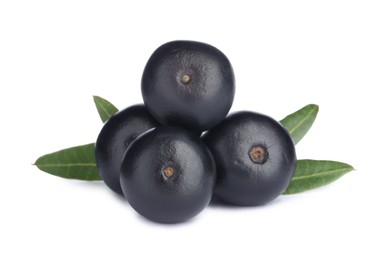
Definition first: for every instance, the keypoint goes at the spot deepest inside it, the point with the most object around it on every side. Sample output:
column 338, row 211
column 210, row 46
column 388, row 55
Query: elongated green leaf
column 299, row 122
column 311, row 174
column 105, row 108
column 72, row 163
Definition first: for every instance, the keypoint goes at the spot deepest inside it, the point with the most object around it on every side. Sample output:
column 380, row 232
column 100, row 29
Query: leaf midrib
column 66, row 165
column 321, row 173
column 302, row 121
column 104, row 109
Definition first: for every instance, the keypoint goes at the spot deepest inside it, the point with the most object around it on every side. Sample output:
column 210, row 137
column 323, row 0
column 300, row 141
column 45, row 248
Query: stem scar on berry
column 185, row 79
column 168, row 172
column 258, row 154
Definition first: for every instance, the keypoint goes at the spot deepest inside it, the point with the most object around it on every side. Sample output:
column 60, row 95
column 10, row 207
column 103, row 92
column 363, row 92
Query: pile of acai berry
column 174, row 154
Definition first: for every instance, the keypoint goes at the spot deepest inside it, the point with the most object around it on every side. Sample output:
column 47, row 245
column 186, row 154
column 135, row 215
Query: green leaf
column 105, row 108
column 300, row 121
column 311, row 174
column 72, row 163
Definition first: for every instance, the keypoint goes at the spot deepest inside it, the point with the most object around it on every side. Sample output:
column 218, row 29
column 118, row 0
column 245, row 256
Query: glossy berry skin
column 115, row 137
column 255, row 158
column 188, row 84
column 168, row 174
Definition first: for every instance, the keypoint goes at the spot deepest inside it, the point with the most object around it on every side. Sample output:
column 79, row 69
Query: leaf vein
column 341, row 170
column 302, row 121
column 104, row 110
column 66, row 164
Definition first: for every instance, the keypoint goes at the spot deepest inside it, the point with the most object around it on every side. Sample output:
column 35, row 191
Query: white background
column 54, row 55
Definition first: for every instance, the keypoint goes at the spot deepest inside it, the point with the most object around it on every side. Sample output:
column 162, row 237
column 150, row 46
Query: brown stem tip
column 168, row 172
column 258, row 154
column 185, row 79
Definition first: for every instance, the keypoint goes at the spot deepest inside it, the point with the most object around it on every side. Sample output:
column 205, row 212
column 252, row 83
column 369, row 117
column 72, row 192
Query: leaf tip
column 349, row 167
column 36, row 162
column 95, row 98
column 315, row 107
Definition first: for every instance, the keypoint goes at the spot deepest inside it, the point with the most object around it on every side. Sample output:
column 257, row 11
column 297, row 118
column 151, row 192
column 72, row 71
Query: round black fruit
column 168, row 174
column 115, row 137
column 188, row 84
column 255, row 158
